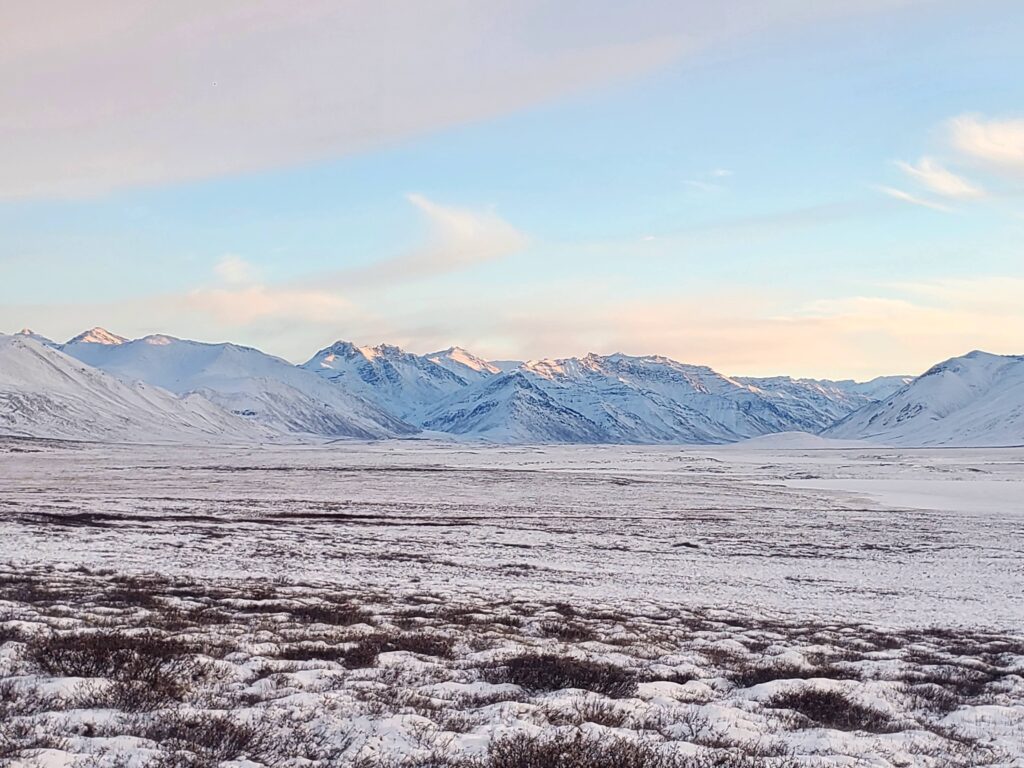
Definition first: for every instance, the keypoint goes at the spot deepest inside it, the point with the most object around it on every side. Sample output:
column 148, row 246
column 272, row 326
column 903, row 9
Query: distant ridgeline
column 102, row 386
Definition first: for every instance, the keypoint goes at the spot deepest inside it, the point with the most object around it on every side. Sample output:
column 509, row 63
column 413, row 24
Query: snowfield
column 787, row 602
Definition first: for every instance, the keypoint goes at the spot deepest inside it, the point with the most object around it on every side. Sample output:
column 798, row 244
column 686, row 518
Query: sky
column 766, row 187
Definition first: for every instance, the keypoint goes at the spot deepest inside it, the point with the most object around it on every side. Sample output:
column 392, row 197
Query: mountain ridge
column 263, row 388
column 976, row 399
column 378, row 391
column 46, row 393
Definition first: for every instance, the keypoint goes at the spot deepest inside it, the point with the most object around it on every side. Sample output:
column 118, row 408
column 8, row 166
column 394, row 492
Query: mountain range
column 99, row 385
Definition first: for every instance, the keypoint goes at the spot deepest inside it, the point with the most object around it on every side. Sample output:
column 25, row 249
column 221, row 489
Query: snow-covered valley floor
column 406, row 603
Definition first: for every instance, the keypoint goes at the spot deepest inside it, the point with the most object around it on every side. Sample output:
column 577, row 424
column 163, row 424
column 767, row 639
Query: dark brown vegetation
column 834, row 709
column 549, row 672
column 165, row 655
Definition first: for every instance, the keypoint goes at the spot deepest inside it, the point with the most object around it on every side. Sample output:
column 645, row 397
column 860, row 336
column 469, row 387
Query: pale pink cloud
column 459, row 238
column 997, row 143
column 232, row 268
column 235, row 307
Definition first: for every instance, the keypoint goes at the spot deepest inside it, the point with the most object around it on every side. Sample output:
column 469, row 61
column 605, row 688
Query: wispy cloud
column 907, row 197
column 990, row 147
column 940, row 180
column 242, row 298
column 996, row 143
column 233, row 269
column 459, row 238
column 153, row 93
column 710, row 181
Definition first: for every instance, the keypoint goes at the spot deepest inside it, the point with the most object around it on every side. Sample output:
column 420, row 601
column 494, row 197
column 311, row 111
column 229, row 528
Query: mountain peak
column 28, row 333
column 980, row 354
column 459, row 358
column 347, row 350
column 340, row 347
column 98, row 336
column 159, row 340
column 383, row 350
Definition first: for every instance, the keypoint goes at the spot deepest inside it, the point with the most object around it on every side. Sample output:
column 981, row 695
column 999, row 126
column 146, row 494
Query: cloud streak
column 110, row 95
column 460, row 238
column 941, row 180
column 907, row 197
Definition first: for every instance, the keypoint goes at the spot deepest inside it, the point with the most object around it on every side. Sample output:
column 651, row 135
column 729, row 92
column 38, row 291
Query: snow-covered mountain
column 383, row 391
column 977, row 399
column 876, row 389
column 243, row 380
column 46, row 393
column 28, row 333
column 513, row 408
column 624, row 399
column 97, row 335
column 818, row 403
column 400, row 382
column 464, row 363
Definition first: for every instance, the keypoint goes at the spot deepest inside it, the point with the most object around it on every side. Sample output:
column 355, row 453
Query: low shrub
column 834, row 709
column 538, row 672
column 203, row 738
column 145, row 671
column 364, row 653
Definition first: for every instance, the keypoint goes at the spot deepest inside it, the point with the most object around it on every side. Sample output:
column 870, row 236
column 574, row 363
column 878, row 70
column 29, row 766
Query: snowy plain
column 729, row 584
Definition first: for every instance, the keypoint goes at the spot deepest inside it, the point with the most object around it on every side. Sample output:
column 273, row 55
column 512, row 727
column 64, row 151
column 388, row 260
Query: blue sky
column 833, row 194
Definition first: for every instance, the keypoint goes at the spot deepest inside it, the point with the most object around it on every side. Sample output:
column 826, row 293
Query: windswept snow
column 707, row 524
